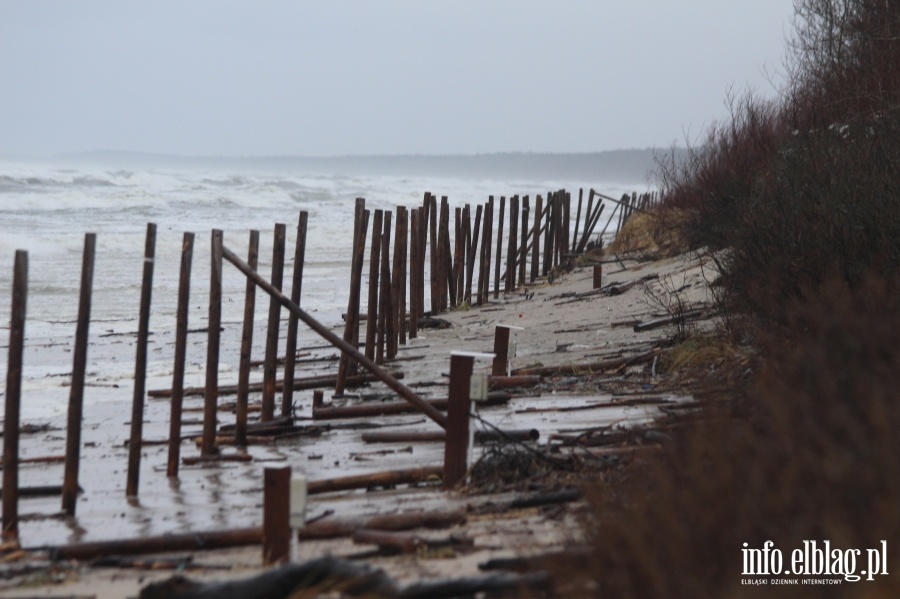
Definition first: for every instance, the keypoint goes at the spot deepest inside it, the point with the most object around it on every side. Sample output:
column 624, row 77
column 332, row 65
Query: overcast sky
column 229, row 78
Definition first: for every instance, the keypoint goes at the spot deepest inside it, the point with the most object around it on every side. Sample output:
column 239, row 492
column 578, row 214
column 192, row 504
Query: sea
column 47, row 207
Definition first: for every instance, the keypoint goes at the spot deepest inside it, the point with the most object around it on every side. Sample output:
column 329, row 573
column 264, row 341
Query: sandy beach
column 563, row 323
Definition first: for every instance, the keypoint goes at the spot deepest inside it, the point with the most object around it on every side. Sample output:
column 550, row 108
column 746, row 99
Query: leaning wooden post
column 211, row 392
column 181, row 333
column 536, row 240
column 578, row 219
column 271, row 358
column 276, row 536
column 140, row 368
column 374, row 264
column 243, row 394
column 290, row 351
column 472, row 255
column 351, row 326
column 14, row 398
column 499, row 248
column 76, row 392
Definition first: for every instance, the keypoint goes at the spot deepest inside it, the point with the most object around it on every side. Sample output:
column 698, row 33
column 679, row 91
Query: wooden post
column 456, row 295
column 181, row 332
column 435, row 264
column 414, row 274
column 140, row 368
column 276, row 537
column 351, row 327
column 290, row 350
column 14, row 398
column 484, row 276
column 501, row 350
column 499, row 248
column 270, row 364
column 211, row 392
column 76, row 392
column 443, row 254
column 472, row 255
column 548, row 235
column 243, row 394
column 385, row 313
column 374, row 264
column 523, row 253
column 536, row 240
column 598, row 276
column 423, row 244
column 578, row 219
column 456, row 448
column 399, row 277
column 513, row 248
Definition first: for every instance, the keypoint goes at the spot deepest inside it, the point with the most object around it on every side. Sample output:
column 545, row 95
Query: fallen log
column 564, row 496
column 331, row 528
column 312, row 382
column 509, row 382
column 590, row 367
column 488, row 436
column 219, row 539
column 376, row 479
column 371, row 410
column 211, row 459
column 398, row 542
column 661, row 322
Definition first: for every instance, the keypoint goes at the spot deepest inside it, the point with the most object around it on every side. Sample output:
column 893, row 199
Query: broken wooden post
column 76, row 392
column 211, row 392
column 276, row 537
column 598, row 276
column 243, row 393
column 324, row 332
column 351, row 327
column 140, row 368
column 318, row 399
column 181, row 332
column 290, row 351
column 459, row 438
column 501, row 349
column 13, row 398
column 272, row 330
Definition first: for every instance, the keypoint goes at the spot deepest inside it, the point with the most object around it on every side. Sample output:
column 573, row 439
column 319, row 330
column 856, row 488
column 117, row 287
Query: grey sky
column 223, row 77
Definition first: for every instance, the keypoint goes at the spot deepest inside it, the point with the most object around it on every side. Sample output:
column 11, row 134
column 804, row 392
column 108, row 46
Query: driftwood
column 376, row 479
column 398, row 542
column 661, row 322
column 218, row 539
column 330, row 574
column 370, row 410
column 331, row 528
column 508, row 382
column 487, row 436
column 591, row 367
column 312, row 382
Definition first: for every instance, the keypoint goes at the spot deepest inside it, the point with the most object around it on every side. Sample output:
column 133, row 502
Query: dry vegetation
column 798, row 198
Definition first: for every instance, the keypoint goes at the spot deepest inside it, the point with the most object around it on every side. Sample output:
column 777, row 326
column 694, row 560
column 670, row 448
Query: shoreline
column 563, row 324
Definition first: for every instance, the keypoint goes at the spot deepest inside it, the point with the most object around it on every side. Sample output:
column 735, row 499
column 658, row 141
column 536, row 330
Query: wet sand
column 560, row 327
